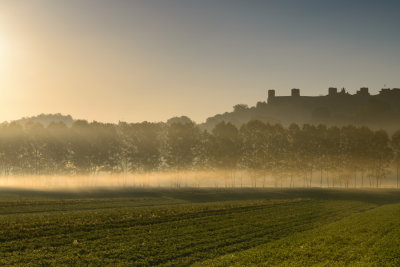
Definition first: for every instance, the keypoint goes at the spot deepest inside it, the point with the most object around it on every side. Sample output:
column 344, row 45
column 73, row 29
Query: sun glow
column 3, row 52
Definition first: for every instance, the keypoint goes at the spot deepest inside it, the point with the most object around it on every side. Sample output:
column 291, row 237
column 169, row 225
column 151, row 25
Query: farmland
column 220, row 227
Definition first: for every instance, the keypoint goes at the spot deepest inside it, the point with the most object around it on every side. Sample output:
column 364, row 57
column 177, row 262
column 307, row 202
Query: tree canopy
column 337, row 154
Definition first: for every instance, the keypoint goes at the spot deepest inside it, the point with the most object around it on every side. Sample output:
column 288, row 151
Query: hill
column 46, row 119
column 336, row 108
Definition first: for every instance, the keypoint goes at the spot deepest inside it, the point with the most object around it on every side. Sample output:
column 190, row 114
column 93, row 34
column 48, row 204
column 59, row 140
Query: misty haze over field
column 199, row 133
column 179, row 154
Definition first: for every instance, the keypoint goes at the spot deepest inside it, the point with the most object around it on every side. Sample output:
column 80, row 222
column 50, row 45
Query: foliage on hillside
column 375, row 113
column 46, row 119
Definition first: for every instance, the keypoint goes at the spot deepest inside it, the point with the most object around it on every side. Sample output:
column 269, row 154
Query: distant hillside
column 241, row 114
column 336, row 108
column 46, row 119
column 381, row 111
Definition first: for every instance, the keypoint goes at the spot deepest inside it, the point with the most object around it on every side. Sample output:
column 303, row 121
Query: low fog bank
column 194, row 179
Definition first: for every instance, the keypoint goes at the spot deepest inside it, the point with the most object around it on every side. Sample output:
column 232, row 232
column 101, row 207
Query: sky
column 151, row 60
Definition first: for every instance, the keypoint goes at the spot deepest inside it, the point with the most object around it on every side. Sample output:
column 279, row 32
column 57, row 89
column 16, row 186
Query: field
column 205, row 227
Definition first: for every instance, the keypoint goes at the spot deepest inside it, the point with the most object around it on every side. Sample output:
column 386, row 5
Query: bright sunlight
column 3, row 52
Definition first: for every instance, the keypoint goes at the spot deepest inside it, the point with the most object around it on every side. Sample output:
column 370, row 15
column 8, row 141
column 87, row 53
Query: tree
column 254, row 153
column 395, row 143
column 240, row 108
column 382, row 155
column 57, row 152
column 148, row 143
column 82, row 148
column 181, row 147
column 223, row 149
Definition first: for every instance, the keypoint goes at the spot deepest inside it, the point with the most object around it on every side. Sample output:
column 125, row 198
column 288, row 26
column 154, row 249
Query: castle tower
column 364, row 91
column 271, row 95
column 295, row 92
column 332, row 91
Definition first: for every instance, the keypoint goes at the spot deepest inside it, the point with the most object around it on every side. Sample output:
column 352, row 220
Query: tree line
column 332, row 156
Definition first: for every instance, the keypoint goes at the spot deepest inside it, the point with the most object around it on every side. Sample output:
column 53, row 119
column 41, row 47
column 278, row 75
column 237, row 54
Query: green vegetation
column 205, row 227
column 365, row 239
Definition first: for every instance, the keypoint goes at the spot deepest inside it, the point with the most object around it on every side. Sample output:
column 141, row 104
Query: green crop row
column 153, row 231
column 370, row 238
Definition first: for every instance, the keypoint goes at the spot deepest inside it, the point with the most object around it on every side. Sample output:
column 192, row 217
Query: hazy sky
column 110, row 60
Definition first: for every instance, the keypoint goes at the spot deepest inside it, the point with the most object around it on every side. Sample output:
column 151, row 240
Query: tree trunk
column 362, row 178
column 355, row 179
column 291, row 179
column 321, row 179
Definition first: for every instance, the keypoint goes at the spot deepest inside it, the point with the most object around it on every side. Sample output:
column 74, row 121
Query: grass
column 203, row 227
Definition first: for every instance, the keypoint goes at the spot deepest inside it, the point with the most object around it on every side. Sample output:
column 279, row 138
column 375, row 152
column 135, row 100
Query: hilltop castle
column 336, row 100
column 338, row 107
